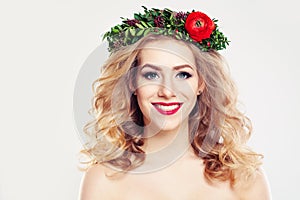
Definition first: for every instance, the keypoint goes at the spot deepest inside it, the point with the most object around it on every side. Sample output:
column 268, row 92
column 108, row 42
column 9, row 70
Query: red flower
column 132, row 22
column 159, row 21
column 199, row 26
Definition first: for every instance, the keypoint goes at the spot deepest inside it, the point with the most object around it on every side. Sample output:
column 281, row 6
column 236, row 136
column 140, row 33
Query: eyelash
column 186, row 74
column 150, row 75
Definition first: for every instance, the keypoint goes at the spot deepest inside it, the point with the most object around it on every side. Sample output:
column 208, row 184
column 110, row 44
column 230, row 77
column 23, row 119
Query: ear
column 131, row 87
column 201, row 88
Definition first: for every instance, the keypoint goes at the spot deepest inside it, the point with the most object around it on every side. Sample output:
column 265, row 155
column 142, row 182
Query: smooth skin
column 167, row 73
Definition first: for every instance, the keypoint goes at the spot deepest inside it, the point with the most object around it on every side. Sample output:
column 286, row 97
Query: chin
column 168, row 125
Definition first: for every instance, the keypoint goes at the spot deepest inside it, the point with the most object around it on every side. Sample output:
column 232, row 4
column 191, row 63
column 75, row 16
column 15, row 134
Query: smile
column 167, row 108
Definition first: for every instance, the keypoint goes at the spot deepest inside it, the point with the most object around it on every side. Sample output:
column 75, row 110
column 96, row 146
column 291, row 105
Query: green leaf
column 127, row 33
column 144, row 24
column 134, row 40
column 149, row 25
column 178, row 37
column 139, row 26
column 105, row 35
column 119, row 27
column 145, row 9
column 146, row 31
column 139, row 33
column 114, row 30
column 180, row 34
column 137, row 16
column 132, row 31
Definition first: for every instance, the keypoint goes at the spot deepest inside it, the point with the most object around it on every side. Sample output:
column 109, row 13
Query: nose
column 166, row 90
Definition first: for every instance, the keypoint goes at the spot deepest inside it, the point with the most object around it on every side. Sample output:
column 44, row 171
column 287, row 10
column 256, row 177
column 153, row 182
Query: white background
column 44, row 43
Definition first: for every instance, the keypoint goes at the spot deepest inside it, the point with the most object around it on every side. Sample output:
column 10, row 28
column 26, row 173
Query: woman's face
column 167, row 84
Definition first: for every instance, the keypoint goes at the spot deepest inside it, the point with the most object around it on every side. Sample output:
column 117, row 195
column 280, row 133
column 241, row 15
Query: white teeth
column 167, row 108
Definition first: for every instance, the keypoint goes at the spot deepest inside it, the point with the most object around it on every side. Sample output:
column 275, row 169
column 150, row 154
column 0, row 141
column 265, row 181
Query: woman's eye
column 151, row 75
column 183, row 75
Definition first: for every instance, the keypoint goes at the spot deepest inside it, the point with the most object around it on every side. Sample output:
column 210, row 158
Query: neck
column 166, row 139
column 164, row 148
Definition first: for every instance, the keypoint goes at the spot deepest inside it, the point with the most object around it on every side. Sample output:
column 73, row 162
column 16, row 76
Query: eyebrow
column 159, row 68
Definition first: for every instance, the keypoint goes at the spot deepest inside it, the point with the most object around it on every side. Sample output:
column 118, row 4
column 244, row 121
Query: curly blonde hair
column 218, row 131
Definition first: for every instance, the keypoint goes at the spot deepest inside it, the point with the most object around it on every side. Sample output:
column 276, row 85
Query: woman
column 166, row 124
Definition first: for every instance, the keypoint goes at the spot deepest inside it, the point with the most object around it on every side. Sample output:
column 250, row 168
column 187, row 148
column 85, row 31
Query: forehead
column 166, row 53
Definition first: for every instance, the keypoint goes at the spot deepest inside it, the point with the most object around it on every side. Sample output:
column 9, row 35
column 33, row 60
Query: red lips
column 167, row 108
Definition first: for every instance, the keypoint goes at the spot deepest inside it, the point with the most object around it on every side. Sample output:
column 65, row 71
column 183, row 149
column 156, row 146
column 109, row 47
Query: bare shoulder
column 258, row 189
column 93, row 184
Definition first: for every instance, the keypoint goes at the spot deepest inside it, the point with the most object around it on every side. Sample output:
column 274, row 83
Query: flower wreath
column 195, row 27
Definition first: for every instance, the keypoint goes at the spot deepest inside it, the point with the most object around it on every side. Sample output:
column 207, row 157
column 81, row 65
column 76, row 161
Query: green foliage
column 165, row 22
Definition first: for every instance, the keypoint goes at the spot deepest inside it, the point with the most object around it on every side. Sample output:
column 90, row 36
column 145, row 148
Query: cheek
column 145, row 92
column 144, row 95
column 188, row 88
